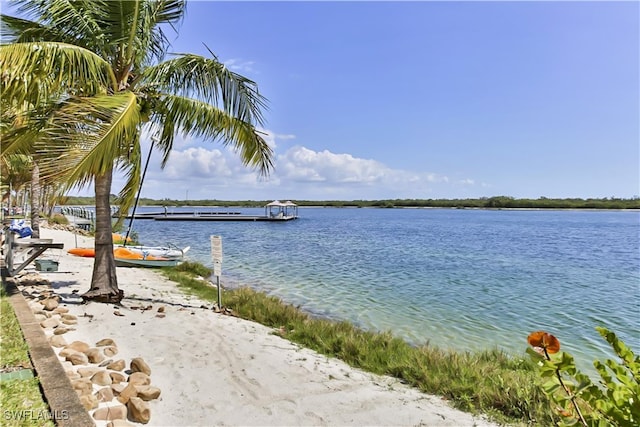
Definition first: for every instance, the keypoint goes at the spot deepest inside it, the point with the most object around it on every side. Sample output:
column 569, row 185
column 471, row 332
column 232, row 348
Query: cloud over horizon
column 299, row 173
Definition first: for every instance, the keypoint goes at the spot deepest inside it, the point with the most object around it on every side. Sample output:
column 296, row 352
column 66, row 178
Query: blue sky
column 374, row 100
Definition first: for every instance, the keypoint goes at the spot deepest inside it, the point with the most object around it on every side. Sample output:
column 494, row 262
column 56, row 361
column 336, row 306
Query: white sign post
column 216, row 255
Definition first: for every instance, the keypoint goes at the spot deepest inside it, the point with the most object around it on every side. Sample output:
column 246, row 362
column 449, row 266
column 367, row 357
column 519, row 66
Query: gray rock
column 51, row 322
column 78, row 346
column 110, row 350
column 105, row 342
column 89, row 401
column 147, row 392
column 127, row 393
column 94, row 355
column 82, row 386
column 101, row 378
column 118, row 365
column 49, row 304
column 118, row 388
column 105, row 394
column 117, row 377
column 105, row 363
column 138, row 410
column 57, row 341
column 87, row 372
column 110, row 413
column 77, row 358
column 139, row 365
column 139, row 378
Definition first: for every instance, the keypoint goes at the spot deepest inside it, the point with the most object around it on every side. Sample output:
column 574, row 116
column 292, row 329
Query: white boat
column 157, row 251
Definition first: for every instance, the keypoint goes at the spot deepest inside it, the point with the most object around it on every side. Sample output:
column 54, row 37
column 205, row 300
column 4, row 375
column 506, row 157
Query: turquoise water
column 461, row 279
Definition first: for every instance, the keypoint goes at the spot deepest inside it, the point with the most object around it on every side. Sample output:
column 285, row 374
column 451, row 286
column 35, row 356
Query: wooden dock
column 220, row 217
column 274, row 212
column 154, row 215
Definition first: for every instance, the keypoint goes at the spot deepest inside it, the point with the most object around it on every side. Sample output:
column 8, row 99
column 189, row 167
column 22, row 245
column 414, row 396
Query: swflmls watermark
column 35, row 415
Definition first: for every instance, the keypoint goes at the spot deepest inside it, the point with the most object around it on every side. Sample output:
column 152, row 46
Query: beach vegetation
column 17, row 396
column 85, row 80
column 498, row 202
column 58, row 218
column 15, row 176
column 576, row 399
column 490, row 382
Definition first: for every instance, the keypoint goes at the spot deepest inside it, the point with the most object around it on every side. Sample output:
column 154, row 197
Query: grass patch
column 58, row 218
column 489, row 382
column 14, row 351
column 17, row 396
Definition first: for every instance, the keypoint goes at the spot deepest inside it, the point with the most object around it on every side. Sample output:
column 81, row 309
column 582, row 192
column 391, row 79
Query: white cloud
column 304, row 165
column 299, row 173
column 196, row 163
column 271, row 137
column 239, row 65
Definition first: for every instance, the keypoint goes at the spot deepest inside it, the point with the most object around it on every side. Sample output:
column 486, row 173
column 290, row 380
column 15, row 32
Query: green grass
column 58, row 218
column 18, row 397
column 489, row 382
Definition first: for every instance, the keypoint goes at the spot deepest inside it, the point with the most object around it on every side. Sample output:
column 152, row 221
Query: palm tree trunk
column 104, row 283
column 35, row 201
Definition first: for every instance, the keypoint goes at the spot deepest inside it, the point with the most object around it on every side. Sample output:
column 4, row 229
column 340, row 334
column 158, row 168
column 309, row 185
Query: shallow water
column 461, row 279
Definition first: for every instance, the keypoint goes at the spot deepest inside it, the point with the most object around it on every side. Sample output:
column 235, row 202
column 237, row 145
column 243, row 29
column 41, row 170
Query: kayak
column 159, row 251
column 83, row 252
column 127, row 258
column 142, row 251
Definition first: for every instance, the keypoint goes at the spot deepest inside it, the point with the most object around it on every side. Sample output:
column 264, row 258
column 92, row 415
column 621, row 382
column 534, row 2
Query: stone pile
column 65, row 227
column 108, row 388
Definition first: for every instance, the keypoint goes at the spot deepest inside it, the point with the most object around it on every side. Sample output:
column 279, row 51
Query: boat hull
column 142, row 251
column 147, row 263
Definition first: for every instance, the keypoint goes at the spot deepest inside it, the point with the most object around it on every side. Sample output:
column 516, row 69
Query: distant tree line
column 498, row 202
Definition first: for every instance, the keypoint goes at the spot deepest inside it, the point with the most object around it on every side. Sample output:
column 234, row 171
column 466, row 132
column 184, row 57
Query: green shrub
column 58, row 219
column 614, row 401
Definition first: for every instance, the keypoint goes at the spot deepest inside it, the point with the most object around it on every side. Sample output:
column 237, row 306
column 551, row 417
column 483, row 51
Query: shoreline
column 214, row 369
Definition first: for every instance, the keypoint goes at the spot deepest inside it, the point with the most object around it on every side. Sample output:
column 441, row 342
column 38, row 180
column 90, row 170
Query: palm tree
column 94, row 77
column 16, row 174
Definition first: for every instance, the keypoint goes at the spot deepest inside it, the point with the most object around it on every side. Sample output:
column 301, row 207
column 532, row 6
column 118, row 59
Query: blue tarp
column 19, row 226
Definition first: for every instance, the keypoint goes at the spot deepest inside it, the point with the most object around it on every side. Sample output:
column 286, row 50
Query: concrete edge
column 64, row 403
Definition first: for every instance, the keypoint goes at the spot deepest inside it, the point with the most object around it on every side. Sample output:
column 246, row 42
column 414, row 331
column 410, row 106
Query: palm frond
column 38, row 72
column 130, row 167
column 71, row 21
column 154, row 15
column 86, row 136
column 207, row 79
column 18, row 30
column 200, row 119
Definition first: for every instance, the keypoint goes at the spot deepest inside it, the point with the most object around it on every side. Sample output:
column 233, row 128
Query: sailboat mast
column 135, row 205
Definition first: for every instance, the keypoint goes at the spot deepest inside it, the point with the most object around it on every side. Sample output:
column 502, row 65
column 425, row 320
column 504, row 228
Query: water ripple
column 462, row 279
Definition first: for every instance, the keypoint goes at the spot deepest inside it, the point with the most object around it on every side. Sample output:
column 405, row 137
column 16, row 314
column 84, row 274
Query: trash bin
column 46, row 265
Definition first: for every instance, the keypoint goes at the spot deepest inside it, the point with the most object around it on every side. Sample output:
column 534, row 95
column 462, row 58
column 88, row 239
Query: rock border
column 62, row 399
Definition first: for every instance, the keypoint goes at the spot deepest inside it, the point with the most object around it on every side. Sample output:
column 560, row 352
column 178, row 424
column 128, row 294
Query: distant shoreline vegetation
column 499, row 202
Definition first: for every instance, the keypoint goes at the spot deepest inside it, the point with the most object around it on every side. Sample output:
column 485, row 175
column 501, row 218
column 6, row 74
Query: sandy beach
column 214, row 369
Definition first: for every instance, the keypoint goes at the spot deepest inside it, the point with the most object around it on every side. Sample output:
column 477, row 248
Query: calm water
column 462, row 279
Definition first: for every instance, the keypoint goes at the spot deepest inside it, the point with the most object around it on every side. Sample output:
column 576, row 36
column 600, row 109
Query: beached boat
column 158, row 251
column 127, row 258
column 143, row 251
column 149, row 263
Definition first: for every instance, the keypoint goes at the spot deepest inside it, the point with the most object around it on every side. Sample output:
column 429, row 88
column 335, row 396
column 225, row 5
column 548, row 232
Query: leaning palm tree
column 15, row 174
column 95, row 77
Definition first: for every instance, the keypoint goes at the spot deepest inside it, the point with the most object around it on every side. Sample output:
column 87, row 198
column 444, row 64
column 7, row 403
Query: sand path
column 220, row 370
